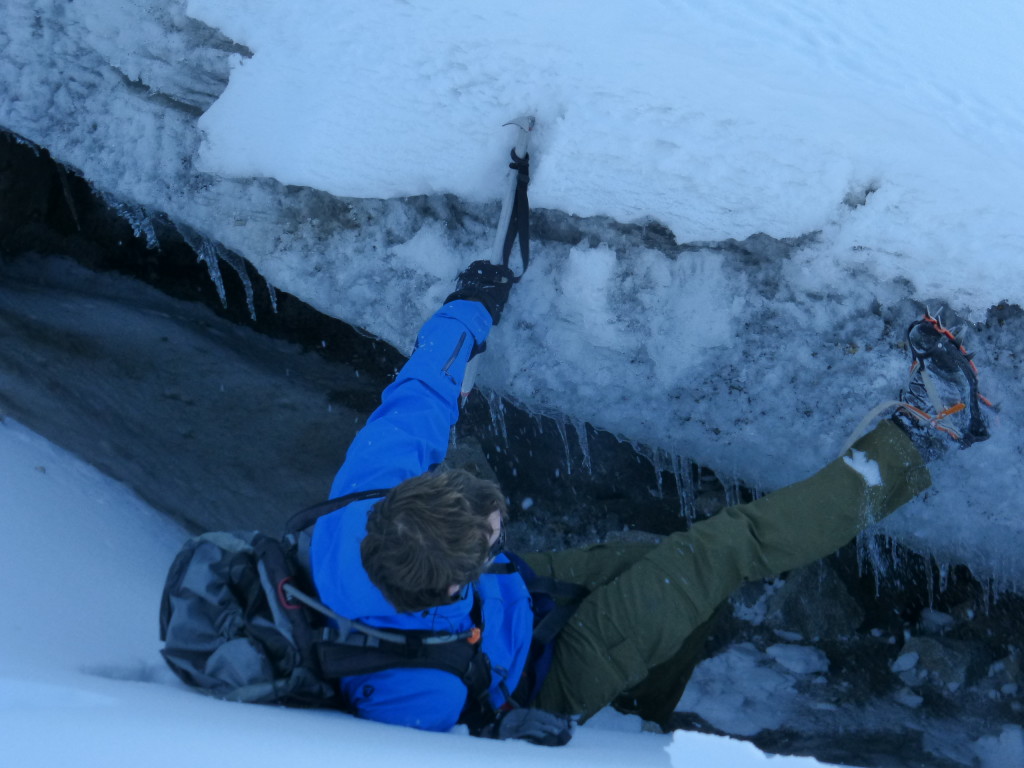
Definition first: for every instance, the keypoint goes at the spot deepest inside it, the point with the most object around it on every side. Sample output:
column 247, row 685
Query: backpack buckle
column 282, row 595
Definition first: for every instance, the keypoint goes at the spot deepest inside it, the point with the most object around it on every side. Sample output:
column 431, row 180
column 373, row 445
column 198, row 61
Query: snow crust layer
column 718, row 120
column 353, row 153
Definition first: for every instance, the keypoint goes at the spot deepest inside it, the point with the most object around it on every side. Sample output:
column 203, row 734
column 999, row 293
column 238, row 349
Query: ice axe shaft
column 503, row 236
column 525, row 125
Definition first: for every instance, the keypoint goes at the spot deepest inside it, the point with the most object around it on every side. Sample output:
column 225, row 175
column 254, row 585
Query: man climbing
column 426, row 560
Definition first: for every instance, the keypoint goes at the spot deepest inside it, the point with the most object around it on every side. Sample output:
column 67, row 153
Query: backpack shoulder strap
column 306, row 517
column 358, row 653
column 341, row 659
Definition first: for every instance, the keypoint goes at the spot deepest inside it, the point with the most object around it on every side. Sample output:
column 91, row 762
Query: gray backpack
column 239, row 621
column 228, row 628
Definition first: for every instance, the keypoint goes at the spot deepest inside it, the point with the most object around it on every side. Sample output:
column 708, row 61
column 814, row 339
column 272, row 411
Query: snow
column 640, row 110
column 867, row 468
column 82, row 682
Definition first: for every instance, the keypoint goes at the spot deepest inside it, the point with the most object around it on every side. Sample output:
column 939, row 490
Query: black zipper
column 455, row 354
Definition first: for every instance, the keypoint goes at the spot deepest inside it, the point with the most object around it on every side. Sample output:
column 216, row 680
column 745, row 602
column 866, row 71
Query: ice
column 739, row 692
column 138, row 220
column 212, row 254
column 1006, row 749
column 738, row 207
column 209, row 253
column 799, row 659
column 905, row 662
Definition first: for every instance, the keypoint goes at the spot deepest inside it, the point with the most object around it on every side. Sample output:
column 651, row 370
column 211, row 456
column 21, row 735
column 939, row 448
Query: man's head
column 430, row 536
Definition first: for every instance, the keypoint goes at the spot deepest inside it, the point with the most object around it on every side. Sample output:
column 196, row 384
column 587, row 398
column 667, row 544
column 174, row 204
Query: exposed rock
column 815, row 603
column 941, row 664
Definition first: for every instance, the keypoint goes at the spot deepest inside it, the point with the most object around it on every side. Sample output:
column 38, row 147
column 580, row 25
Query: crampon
column 941, row 398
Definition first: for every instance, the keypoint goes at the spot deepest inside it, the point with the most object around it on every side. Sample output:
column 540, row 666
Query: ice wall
column 752, row 354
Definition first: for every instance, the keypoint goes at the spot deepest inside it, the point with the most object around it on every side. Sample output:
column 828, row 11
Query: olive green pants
column 649, row 604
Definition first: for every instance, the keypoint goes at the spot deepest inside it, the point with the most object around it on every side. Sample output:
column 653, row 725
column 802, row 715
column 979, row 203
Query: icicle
column 655, row 458
column 207, row 252
column 989, row 593
column 859, row 549
column 584, row 443
column 137, row 218
column 211, row 254
column 22, row 141
column 943, row 577
column 237, row 263
column 682, row 469
column 208, row 255
column 496, row 407
column 869, row 558
column 273, row 297
column 733, row 495
column 560, row 426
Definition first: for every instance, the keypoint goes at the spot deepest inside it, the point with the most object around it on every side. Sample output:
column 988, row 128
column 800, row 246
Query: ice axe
column 514, row 221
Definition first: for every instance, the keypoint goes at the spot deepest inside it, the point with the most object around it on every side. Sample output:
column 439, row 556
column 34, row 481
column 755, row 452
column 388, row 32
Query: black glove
column 533, row 725
column 487, row 283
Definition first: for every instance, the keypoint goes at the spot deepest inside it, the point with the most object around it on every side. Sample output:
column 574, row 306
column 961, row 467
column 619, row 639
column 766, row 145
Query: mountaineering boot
column 941, row 402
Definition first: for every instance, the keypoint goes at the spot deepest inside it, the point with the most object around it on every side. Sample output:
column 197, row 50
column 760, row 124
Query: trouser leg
column 592, row 567
column 642, row 617
column 656, row 696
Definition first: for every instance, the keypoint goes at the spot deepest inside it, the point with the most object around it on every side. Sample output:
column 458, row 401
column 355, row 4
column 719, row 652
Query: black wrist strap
column 519, row 223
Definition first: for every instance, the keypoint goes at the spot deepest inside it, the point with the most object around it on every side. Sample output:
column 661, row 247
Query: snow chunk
column 1005, row 749
column 690, row 749
column 800, row 659
column 738, row 692
column 867, row 468
column 908, row 698
column 906, row 662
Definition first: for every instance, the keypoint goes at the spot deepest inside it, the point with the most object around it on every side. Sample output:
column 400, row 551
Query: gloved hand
column 487, row 283
column 533, row 725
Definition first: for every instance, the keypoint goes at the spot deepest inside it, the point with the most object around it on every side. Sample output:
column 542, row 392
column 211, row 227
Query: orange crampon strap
column 926, row 418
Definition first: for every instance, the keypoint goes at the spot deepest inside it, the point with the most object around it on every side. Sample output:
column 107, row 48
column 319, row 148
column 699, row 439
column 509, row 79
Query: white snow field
column 884, row 142
column 82, row 682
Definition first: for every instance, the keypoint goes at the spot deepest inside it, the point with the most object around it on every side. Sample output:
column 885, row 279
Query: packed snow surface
column 740, row 206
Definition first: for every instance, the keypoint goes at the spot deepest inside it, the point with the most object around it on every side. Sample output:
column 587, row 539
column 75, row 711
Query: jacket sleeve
column 428, row 699
column 408, row 433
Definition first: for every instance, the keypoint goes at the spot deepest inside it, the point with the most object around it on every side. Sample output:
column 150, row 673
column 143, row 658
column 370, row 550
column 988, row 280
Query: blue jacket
column 406, row 436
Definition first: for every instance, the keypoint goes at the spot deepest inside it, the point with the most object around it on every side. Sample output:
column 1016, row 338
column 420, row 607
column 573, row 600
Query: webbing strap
column 555, row 620
column 342, row 659
column 350, row 630
column 557, row 589
column 519, row 223
column 861, row 429
column 306, row 517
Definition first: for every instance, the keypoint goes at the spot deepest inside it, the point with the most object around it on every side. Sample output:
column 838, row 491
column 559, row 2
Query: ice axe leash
column 514, row 221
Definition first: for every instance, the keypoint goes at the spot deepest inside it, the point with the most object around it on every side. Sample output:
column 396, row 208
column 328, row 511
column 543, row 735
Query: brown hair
column 429, row 533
